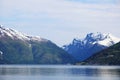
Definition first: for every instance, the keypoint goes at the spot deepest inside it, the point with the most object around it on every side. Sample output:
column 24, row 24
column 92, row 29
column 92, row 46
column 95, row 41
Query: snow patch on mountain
column 1, row 52
column 109, row 40
column 12, row 33
column 101, row 39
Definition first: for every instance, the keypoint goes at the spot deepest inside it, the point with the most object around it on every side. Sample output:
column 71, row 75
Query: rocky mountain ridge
column 91, row 44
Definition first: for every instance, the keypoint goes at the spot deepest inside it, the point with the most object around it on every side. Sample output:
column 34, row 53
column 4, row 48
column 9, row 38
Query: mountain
column 19, row 48
column 81, row 49
column 109, row 56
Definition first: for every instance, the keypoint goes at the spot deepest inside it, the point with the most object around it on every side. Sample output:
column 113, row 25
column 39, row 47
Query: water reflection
column 59, row 73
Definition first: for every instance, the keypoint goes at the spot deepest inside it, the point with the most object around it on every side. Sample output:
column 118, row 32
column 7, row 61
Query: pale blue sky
column 97, row 1
column 61, row 20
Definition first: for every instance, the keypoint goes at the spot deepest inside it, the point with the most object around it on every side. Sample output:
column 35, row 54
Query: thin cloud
column 97, row 1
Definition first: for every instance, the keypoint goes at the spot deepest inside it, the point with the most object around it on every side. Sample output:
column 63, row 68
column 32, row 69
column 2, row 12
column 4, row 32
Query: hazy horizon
column 61, row 20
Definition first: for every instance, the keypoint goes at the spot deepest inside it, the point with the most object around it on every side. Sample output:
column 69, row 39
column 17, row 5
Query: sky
column 61, row 20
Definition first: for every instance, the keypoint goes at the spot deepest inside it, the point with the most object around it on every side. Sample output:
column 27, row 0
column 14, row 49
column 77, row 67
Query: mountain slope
column 109, row 56
column 91, row 44
column 19, row 48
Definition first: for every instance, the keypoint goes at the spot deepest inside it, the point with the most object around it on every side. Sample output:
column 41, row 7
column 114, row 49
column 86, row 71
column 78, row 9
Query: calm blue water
column 58, row 72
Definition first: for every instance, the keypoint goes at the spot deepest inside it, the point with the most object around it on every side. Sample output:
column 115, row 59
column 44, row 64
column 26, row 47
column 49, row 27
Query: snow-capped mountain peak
column 13, row 34
column 95, row 36
column 109, row 40
column 102, row 39
column 81, row 49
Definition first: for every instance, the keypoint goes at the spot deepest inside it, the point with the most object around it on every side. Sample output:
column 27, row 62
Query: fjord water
column 59, row 72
